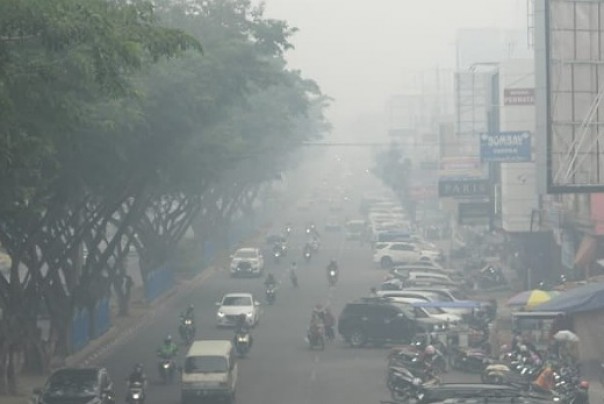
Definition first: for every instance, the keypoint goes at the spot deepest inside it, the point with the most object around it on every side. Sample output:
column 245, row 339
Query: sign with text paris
column 505, row 147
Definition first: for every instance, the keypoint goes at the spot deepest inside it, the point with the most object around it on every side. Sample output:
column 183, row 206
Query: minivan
column 209, row 372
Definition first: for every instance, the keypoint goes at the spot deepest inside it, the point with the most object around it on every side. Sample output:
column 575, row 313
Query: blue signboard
column 505, row 147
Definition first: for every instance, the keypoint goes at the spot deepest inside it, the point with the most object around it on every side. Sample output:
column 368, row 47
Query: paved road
column 280, row 367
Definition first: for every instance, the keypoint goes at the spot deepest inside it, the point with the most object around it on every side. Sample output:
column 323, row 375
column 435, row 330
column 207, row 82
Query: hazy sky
column 360, row 52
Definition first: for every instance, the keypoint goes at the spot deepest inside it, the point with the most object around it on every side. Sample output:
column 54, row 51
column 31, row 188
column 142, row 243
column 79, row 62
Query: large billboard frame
column 572, row 171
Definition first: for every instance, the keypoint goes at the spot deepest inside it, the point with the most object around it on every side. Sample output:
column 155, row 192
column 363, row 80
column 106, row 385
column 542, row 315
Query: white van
column 209, row 372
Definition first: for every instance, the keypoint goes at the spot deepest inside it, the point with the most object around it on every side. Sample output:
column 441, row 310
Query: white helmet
column 430, row 350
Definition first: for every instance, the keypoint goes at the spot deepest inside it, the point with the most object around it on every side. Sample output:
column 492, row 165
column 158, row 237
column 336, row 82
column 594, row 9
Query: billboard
column 519, row 96
column 463, row 187
column 505, row 147
column 570, row 74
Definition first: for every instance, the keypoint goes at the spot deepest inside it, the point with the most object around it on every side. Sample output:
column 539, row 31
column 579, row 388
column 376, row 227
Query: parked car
column 426, row 311
column 247, row 262
column 382, row 320
column 390, row 253
column 428, row 296
column 233, row 305
column 77, row 385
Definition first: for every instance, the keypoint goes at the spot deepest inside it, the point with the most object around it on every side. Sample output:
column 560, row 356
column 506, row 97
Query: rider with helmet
column 242, row 326
column 270, row 280
column 137, row 375
column 168, row 350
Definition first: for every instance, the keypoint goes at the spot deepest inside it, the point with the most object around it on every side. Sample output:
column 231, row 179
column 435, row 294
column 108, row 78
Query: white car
column 233, row 305
column 428, row 311
column 247, row 262
column 427, row 296
column 388, row 254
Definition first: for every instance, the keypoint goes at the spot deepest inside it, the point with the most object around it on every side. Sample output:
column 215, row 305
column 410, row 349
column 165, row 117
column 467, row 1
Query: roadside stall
column 584, row 308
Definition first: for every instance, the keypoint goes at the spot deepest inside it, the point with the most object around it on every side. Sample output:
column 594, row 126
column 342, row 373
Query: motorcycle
column 166, row 370
column 271, row 294
column 277, row 255
column 242, row 343
column 294, row 278
column 187, row 331
column 316, row 337
column 136, row 393
column 307, row 255
column 469, row 360
column 332, row 277
column 402, row 384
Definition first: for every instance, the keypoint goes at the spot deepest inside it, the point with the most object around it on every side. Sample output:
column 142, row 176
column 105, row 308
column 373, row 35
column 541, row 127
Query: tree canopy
column 123, row 123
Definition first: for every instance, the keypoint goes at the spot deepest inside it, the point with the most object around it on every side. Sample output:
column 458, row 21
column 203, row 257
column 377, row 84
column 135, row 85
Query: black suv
column 381, row 320
column 77, row 386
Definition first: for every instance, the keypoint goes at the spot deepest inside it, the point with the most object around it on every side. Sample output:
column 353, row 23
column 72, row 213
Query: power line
column 347, row 144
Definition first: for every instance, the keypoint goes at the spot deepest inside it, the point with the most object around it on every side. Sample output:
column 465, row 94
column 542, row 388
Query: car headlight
column 220, row 314
column 250, row 314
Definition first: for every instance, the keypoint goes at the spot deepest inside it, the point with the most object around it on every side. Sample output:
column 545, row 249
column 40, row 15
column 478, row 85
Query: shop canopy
column 583, row 298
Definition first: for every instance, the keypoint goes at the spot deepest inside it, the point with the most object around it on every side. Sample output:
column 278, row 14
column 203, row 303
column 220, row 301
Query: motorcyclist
column 270, row 281
column 278, row 248
column 292, row 274
column 243, row 327
column 189, row 313
column 333, row 266
column 307, row 249
column 330, row 322
column 168, row 350
column 317, row 322
column 137, row 375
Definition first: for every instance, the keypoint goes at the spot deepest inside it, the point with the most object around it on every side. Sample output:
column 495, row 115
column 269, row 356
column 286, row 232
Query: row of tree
column 124, row 124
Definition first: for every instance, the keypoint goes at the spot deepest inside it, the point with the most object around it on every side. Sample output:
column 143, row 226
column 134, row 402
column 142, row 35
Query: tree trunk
column 11, row 374
column 3, row 369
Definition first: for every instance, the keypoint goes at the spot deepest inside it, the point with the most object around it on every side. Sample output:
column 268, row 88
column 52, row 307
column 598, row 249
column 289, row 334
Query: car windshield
column 72, row 384
column 206, row 364
column 237, row 301
column 245, row 254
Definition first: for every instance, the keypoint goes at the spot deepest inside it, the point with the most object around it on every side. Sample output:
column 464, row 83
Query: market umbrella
column 566, row 335
column 530, row 298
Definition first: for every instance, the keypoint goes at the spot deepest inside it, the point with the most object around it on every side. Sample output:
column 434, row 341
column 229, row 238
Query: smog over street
column 301, row 201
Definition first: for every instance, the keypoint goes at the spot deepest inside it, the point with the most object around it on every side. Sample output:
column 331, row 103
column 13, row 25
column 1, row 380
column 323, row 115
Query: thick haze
column 361, row 52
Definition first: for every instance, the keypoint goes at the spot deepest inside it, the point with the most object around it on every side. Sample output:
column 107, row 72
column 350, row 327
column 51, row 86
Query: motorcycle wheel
column 399, row 396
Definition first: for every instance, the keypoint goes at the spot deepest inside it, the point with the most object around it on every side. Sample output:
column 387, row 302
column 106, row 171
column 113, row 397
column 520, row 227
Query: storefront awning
column 586, row 252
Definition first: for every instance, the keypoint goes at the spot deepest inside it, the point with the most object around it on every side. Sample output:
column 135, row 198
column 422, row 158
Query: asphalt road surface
column 280, row 367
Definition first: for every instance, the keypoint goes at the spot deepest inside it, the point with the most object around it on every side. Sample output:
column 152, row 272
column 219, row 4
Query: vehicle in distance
column 233, row 305
column 247, row 262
